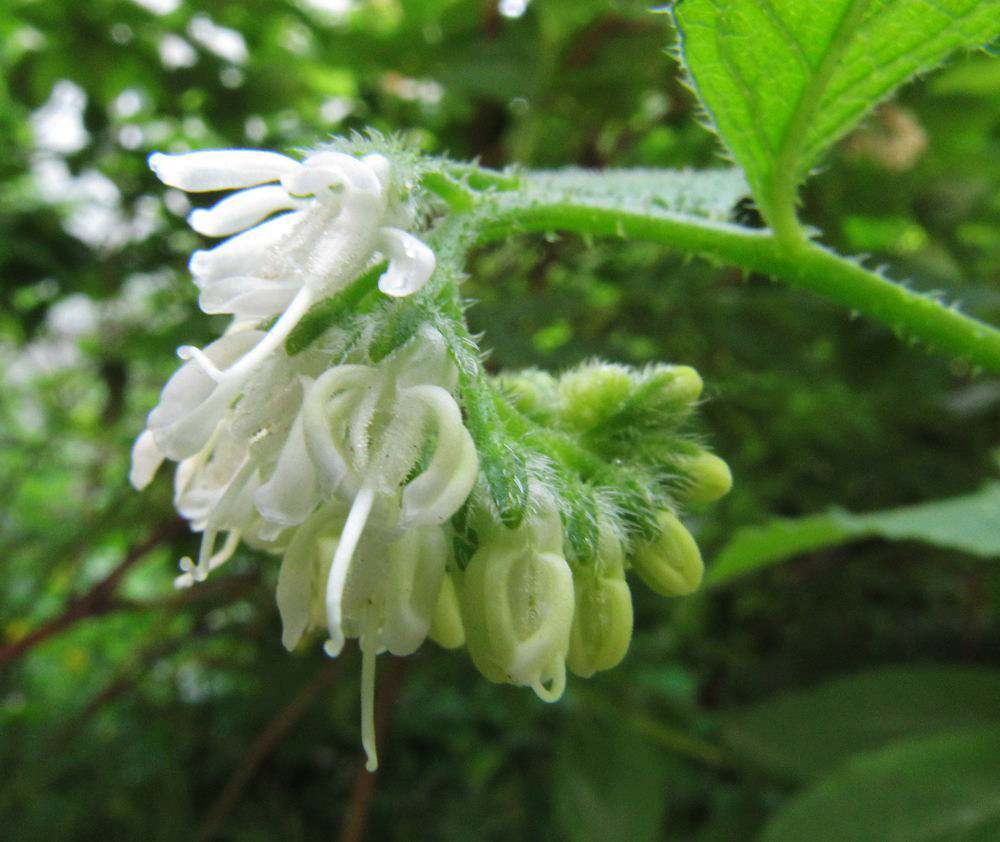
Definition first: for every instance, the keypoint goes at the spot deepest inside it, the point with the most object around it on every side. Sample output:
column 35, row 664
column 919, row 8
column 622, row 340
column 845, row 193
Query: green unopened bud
column 671, row 563
column 593, row 393
column 709, row 477
column 517, row 608
column 602, row 625
column 446, row 626
column 679, row 382
column 534, row 392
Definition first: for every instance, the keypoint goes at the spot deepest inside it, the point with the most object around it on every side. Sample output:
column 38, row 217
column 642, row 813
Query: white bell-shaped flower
column 389, row 596
column 213, row 489
column 192, row 404
column 388, row 437
column 368, row 428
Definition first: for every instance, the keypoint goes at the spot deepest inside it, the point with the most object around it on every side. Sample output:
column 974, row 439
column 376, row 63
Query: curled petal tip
column 240, row 211
column 436, row 494
column 411, row 263
column 379, row 165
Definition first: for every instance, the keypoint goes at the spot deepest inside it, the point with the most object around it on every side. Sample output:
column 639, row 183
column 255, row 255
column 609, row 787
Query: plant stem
column 910, row 314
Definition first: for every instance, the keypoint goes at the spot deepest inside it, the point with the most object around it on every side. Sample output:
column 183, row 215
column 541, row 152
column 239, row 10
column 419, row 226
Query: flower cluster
column 363, row 461
column 355, row 462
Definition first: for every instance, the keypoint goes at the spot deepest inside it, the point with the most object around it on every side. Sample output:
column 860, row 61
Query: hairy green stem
column 910, row 314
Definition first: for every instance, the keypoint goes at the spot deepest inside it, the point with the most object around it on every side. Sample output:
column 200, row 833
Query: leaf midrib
column 784, row 176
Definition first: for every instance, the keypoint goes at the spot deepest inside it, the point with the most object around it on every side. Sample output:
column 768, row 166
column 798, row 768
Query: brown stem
column 98, row 600
column 279, row 725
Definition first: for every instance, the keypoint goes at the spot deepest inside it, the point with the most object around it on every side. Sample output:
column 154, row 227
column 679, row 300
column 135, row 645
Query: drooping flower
column 339, row 214
column 341, row 217
column 374, row 464
column 602, row 619
column 387, row 599
column 390, row 434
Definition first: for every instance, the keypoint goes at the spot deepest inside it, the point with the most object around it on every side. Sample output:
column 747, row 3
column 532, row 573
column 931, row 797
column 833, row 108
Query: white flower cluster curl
column 363, row 461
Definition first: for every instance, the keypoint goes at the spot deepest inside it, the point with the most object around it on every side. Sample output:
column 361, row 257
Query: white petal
column 220, row 169
column 146, row 459
column 246, row 297
column 192, row 403
column 413, row 581
column 379, row 165
column 245, row 253
column 325, row 169
column 336, row 580
column 436, row 494
column 241, row 210
column 411, row 263
column 189, row 434
column 294, row 594
column 320, row 414
column 291, row 494
column 234, row 507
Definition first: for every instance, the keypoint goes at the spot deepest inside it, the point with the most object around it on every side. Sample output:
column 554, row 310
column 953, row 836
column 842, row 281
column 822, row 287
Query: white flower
column 389, row 596
column 361, row 433
column 222, row 436
column 192, row 403
column 213, row 489
column 341, row 215
column 353, row 470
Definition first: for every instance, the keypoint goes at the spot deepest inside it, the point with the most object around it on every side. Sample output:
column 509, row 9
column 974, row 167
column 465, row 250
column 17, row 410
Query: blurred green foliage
column 129, row 710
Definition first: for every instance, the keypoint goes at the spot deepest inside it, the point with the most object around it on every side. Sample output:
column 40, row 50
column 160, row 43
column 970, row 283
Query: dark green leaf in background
column 806, row 733
column 610, row 783
column 969, row 523
column 944, row 788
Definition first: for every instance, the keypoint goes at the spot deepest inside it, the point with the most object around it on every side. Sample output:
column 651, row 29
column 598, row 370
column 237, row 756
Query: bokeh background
column 129, row 710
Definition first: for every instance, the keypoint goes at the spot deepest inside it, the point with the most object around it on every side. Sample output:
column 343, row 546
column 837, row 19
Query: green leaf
column 609, row 783
column 806, row 733
column 782, row 80
column 945, row 787
column 970, row 523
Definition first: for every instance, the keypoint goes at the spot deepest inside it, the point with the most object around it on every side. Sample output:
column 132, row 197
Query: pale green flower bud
column 679, row 382
column 413, row 583
column 592, row 393
column 708, row 477
column 602, row 625
column 534, row 392
column 517, row 607
column 671, row 563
